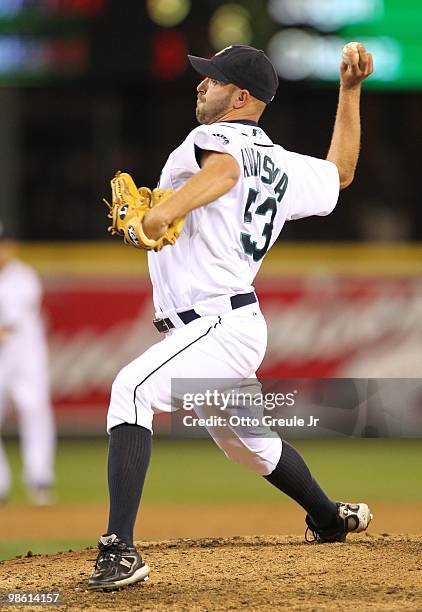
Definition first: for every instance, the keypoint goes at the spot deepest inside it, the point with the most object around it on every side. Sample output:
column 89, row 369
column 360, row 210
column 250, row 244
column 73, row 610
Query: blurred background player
column 24, row 373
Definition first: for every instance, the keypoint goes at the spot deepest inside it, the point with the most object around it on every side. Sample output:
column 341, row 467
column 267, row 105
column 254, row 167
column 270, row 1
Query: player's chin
column 199, row 115
column 203, row 120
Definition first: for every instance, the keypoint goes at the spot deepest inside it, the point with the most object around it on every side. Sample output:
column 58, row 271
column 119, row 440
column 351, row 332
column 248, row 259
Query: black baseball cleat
column 117, row 565
column 350, row 518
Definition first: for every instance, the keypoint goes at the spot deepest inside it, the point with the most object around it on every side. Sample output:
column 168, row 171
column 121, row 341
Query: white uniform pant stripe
column 163, row 364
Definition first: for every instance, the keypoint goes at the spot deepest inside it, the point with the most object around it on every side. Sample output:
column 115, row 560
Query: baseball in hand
column 350, row 54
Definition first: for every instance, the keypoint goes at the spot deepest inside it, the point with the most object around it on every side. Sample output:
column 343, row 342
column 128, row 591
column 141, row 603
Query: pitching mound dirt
column 370, row 572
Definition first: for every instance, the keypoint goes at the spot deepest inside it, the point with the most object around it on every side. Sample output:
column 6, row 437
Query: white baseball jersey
column 222, row 245
column 20, row 303
column 217, row 255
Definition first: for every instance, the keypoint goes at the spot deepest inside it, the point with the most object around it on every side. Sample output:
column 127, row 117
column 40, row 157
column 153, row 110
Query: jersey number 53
column 267, row 207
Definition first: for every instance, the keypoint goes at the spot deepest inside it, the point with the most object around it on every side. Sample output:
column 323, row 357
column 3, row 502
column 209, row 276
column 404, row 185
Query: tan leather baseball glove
column 128, row 208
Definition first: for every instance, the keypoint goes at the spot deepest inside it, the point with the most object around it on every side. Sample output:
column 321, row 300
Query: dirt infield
column 244, row 573
column 212, row 572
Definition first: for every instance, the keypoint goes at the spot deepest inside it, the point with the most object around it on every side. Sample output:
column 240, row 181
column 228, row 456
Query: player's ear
column 242, row 98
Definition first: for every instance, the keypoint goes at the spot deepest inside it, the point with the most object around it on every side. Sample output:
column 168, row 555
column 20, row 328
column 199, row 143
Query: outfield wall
column 332, row 311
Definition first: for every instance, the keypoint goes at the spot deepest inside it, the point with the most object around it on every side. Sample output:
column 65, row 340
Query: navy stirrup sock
column 292, row 476
column 129, row 453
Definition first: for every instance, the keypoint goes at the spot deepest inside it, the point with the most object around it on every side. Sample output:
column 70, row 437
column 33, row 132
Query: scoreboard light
column 169, row 49
column 168, row 13
column 300, row 54
column 230, row 25
column 325, row 15
column 44, row 40
column 57, row 8
column 24, row 57
column 309, row 44
column 90, row 8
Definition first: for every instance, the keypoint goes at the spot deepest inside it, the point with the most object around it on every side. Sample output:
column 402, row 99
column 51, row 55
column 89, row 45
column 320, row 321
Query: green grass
column 382, row 469
column 186, row 472
column 197, row 471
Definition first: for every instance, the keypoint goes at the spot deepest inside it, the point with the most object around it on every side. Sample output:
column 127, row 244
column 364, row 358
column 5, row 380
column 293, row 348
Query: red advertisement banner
column 317, row 327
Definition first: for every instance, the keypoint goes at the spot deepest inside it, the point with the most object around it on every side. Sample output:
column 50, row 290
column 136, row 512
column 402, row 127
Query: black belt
column 237, row 301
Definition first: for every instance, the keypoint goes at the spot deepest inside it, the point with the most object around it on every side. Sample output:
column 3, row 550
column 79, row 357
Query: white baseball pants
column 25, row 382
column 219, row 347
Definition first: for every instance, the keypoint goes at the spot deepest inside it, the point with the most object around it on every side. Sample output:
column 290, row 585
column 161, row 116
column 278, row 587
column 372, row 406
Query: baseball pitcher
column 222, row 200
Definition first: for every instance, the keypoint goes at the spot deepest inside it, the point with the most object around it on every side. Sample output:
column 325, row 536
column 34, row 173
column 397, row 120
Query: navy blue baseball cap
column 244, row 66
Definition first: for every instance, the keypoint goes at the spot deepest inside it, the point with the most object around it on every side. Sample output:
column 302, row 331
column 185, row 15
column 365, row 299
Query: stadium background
column 89, row 86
